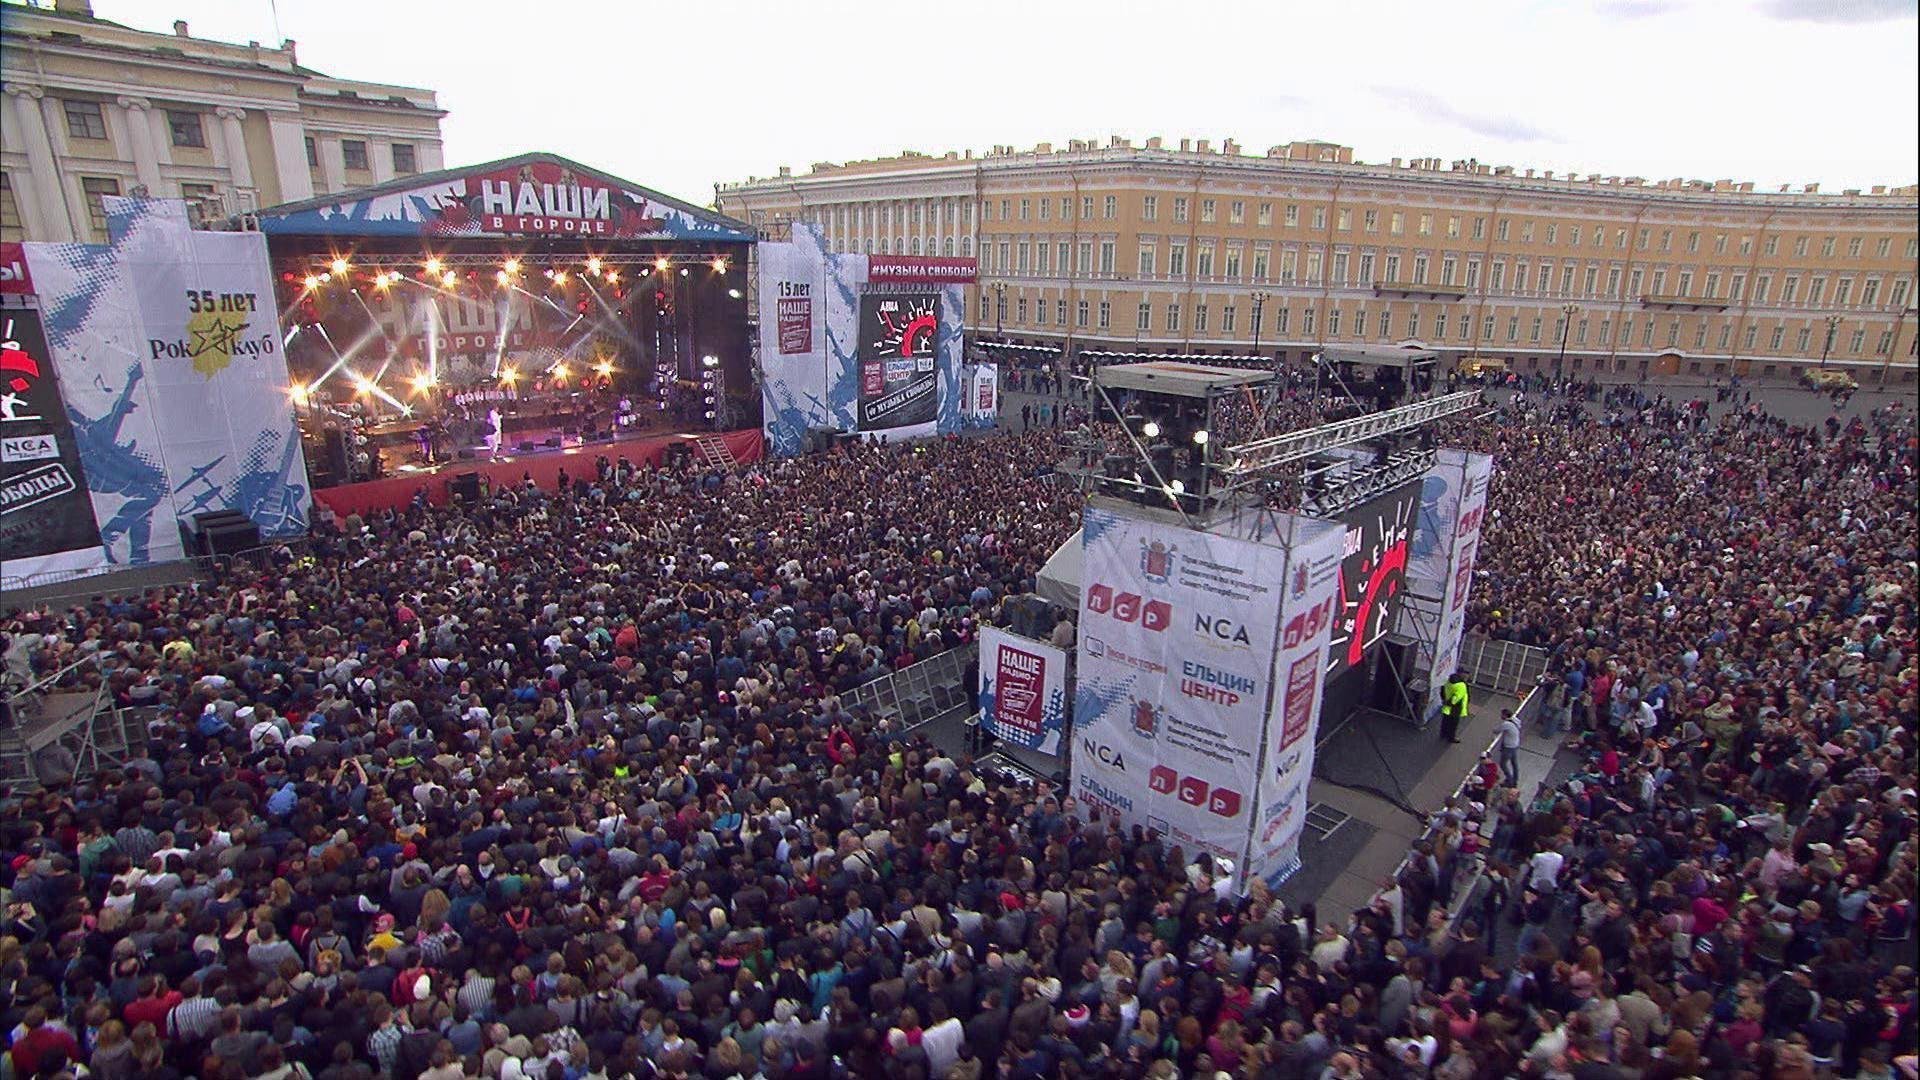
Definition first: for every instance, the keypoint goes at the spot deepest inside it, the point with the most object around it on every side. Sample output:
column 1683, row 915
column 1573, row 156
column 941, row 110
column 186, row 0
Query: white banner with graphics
column 982, row 388
column 170, row 361
column 1293, row 722
column 794, row 368
column 1476, row 476
column 1023, row 690
column 1177, row 635
column 215, row 357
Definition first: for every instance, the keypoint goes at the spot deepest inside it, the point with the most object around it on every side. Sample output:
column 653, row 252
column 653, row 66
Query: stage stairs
column 62, row 734
column 714, row 452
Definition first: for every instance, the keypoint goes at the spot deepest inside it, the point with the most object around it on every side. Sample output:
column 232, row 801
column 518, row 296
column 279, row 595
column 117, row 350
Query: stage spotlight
column 450, row 279
column 299, row 393
column 1176, row 487
column 312, row 282
column 735, row 293
column 503, row 278
column 593, row 264
column 1200, row 437
column 1150, row 429
column 613, row 276
column 710, row 360
column 660, row 263
column 684, row 271
column 603, row 369
column 338, row 266
column 381, row 280
column 511, row 266
column 508, row 375
column 720, row 266
column 420, row 383
column 433, row 266
column 559, row 277
column 559, row 372
column 324, row 278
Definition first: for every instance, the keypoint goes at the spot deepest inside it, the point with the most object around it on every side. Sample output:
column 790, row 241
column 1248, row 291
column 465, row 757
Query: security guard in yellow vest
column 1453, row 706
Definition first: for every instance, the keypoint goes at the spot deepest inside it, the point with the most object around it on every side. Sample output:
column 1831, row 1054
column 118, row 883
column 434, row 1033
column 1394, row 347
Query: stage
column 543, row 466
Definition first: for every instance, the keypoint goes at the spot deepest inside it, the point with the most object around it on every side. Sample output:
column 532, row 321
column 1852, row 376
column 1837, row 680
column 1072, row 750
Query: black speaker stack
column 224, row 532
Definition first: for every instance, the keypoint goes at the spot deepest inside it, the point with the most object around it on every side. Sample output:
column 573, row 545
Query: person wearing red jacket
column 156, row 1000
column 40, row 1043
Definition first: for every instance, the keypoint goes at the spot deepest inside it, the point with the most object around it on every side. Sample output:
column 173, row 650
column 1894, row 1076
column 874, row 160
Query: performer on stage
column 493, row 438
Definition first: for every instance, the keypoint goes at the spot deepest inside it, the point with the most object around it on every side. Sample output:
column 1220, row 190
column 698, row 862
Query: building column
column 139, row 125
column 39, row 198
column 333, row 167
column 380, row 160
column 290, row 156
column 235, row 141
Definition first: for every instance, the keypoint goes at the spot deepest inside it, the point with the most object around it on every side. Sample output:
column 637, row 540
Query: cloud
column 1507, row 128
column 1840, row 12
column 1636, row 9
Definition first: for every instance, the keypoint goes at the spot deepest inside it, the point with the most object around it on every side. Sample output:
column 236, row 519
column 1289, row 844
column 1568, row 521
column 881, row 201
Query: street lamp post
column 1259, row 298
column 1567, row 313
column 1833, row 325
column 999, row 307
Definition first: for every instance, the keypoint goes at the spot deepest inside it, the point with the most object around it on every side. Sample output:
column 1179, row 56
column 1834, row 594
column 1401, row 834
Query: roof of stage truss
column 1176, row 379
column 536, row 195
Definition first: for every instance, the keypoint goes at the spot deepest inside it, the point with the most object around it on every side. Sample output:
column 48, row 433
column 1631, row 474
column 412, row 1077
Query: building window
column 1533, row 333
column 1026, row 208
column 1370, row 220
column 1440, row 326
column 1045, row 212
column 1203, row 260
column 1802, row 339
column 1486, row 328
column 1479, row 228
column 1173, row 318
column 1500, row 231
column 1233, row 263
column 84, row 120
column 1899, row 295
column 1859, row 341
column 353, row 153
column 1293, row 215
column 1060, row 313
column 1110, row 209
column 405, row 162
column 1237, row 213
column 1333, row 323
column 1419, row 269
column 1753, row 332
column 1853, row 252
column 96, row 188
column 1106, row 313
column 1200, row 318
column 1826, row 248
column 1144, row 320
column 1339, row 268
column 1227, row 320
column 185, row 128
column 1086, row 208
column 1306, row 321
column 1883, row 249
column 1453, row 227
column 1150, row 208
column 1265, row 214
column 10, row 227
column 1344, row 220
column 1580, row 332
column 1207, row 211
column 1080, row 314
column 985, row 311
column 1280, row 320
column 1393, row 269
column 1260, row 259
column 1177, row 260
column 1886, row 342
column 1513, row 328
column 1870, row 293
column 1106, row 256
column 1180, row 208
column 1777, row 338
column 1319, row 218
column 1413, row 323
column 1426, row 225
column 197, row 193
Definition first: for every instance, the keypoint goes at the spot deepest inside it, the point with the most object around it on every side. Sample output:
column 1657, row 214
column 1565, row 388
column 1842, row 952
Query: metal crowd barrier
column 918, row 693
column 1505, row 667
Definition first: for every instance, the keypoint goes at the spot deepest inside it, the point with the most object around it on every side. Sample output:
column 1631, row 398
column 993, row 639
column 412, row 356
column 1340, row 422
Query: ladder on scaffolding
column 58, row 735
column 714, row 452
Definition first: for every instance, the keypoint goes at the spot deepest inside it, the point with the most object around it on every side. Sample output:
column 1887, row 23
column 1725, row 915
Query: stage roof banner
column 533, row 195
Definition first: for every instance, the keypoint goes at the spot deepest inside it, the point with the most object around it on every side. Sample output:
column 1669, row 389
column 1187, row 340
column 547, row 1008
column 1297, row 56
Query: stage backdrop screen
column 897, row 381
column 1023, row 690
column 1373, row 575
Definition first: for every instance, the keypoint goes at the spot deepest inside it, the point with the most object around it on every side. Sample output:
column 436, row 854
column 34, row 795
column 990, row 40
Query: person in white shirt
column 1545, row 870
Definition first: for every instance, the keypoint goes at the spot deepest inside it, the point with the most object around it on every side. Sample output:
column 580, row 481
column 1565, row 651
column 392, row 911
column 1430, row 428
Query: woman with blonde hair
column 112, row 1057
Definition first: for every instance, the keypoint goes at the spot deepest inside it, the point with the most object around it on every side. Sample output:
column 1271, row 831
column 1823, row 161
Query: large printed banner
column 45, row 512
column 1307, row 616
column 169, row 355
column 844, row 350
column 981, row 385
column 1476, row 477
column 1023, row 690
column 1177, row 637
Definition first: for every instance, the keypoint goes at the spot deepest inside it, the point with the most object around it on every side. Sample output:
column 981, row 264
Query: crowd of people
column 561, row 785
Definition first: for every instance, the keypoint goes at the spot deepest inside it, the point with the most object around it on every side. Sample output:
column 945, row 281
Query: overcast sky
column 679, row 96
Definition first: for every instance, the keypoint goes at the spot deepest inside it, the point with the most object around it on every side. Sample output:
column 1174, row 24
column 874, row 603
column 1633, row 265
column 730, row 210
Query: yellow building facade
column 1205, row 249
column 94, row 108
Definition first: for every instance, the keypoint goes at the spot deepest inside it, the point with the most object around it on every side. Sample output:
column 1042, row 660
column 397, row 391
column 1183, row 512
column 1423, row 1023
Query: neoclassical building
column 1209, row 249
column 95, row 108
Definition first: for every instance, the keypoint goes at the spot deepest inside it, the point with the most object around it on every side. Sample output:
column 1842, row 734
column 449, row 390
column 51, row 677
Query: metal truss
column 1248, row 459
column 1365, row 483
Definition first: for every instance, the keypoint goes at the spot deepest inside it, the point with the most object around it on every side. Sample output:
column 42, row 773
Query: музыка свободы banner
column 44, row 504
column 899, row 386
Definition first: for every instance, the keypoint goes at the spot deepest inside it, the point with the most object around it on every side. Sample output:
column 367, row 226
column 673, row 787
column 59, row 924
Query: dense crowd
column 561, row 785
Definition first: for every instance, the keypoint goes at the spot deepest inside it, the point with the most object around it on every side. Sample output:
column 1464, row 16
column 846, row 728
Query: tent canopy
column 1059, row 580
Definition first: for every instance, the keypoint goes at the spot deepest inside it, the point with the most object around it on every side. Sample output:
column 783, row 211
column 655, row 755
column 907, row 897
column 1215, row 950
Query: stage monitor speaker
column 230, row 538
column 465, row 453
column 213, row 519
column 1392, row 664
column 553, row 442
column 527, row 446
column 465, row 487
